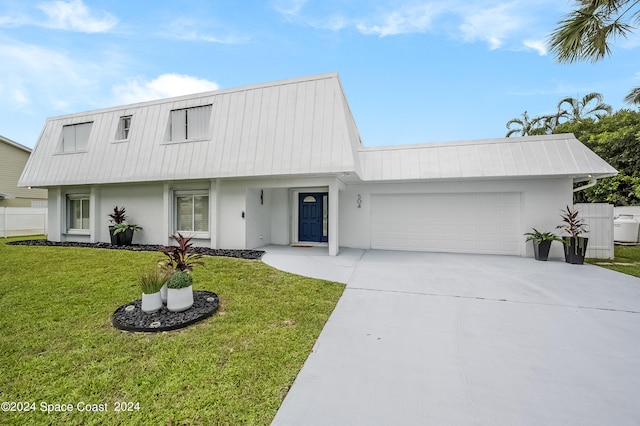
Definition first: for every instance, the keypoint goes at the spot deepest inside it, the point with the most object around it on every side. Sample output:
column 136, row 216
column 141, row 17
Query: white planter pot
column 179, row 299
column 151, row 302
column 163, row 293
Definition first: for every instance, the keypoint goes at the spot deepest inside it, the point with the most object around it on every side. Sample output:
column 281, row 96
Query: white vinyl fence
column 599, row 219
column 21, row 221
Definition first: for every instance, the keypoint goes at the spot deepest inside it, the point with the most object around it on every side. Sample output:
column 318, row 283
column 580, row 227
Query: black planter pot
column 575, row 249
column 541, row 251
column 122, row 238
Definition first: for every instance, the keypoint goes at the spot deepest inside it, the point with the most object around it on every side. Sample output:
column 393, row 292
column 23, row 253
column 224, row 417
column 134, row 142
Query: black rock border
column 139, row 321
column 240, row 254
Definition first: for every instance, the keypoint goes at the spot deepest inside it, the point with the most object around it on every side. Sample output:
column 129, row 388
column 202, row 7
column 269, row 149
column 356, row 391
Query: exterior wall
column 280, row 216
column 542, row 200
column 240, row 219
column 144, row 207
column 12, row 162
column 258, row 218
column 232, row 207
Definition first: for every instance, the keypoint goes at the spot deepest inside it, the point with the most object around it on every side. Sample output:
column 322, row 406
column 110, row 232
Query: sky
column 413, row 71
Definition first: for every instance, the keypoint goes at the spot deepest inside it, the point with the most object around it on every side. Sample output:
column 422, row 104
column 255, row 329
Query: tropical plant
column 615, row 138
column 181, row 258
column 573, row 225
column 633, row 97
column 118, row 215
column 181, row 279
column 526, row 126
column 122, row 227
column 539, row 237
column 585, row 33
column 153, row 280
column 579, row 109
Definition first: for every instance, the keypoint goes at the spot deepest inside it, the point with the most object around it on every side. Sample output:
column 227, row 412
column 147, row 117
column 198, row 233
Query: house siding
column 12, row 161
column 542, row 200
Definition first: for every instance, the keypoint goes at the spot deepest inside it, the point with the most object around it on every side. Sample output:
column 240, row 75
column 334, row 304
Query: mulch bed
column 242, row 254
column 130, row 317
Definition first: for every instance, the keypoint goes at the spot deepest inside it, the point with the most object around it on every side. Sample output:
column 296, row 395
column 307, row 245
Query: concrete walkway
column 454, row 339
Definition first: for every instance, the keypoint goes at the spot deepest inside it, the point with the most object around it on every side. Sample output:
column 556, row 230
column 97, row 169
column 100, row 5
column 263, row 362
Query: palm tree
column 578, row 109
column 585, row 33
column 527, row 126
column 633, row 97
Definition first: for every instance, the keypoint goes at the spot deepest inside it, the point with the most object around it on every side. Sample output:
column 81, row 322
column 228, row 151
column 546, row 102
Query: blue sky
column 413, row 71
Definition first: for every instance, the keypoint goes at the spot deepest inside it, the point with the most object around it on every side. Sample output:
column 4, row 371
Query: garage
column 489, row 223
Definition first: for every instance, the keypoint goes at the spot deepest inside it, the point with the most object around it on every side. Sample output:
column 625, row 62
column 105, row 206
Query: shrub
column 180, row 279
column 180, row 258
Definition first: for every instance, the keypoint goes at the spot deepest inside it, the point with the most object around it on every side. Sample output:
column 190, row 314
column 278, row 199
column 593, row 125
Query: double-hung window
column 192, row 211
column 78, row 212
column 189, row 123
column 75, row 137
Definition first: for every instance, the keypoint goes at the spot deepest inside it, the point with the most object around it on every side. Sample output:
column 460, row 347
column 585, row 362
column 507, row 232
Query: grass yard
column 58, row 346
column 627, row 260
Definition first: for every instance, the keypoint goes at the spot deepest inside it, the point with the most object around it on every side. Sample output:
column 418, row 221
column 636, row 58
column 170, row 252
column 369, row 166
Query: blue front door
column 312, row 218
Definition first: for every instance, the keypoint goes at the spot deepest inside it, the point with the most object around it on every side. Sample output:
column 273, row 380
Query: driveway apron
column 455, row 339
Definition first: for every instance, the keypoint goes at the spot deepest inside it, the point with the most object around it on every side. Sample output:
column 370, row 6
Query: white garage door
column 464, row 223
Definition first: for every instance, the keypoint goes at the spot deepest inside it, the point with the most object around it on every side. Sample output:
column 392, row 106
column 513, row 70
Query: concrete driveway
column 454, row 339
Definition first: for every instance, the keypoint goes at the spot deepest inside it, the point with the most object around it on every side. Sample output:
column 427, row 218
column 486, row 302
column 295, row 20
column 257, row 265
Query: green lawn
column 627, row 260
column 57, row 344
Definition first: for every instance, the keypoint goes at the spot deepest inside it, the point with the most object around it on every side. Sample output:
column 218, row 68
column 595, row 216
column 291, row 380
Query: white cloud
column 74, row 15
column 30, row 71
column 500, row 24
column 209, row 38
column 407, row 19
column 177, row 31
column 492, row 25
column 538, row 45
column 164, row 86
column 290, row 9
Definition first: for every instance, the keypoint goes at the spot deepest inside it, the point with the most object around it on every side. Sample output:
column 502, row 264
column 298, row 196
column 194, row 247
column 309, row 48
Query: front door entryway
column 313, row 223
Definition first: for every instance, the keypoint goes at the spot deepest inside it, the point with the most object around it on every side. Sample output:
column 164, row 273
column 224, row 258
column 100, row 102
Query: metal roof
column 520, row 157
column 300, row 126
column 289, row 127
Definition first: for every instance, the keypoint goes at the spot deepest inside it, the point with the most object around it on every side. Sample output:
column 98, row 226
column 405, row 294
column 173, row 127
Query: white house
column 283, row 163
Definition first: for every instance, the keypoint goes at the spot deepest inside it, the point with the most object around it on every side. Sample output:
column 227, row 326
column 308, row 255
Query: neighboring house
column 282, row 163
column 13, row 158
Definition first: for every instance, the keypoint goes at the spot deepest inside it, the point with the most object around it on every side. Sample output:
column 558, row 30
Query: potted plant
column 151, row 282
column 575, row 245
column 541, row 243
column 180, row 261
column 117, row 217
column 120, row 232
column 180, row 291
column 123, row 233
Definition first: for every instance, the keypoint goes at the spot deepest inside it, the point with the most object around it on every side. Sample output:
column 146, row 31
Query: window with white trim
column 75, row 137
column 123, row 128
column 192, row 211
column 189, row 123
column 78, row 212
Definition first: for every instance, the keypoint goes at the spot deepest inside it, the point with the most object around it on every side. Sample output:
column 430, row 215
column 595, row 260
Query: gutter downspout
column 591, row 183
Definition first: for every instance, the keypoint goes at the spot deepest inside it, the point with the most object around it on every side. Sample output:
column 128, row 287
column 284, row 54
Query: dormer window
column 75, row 137
column 189, row 123
column 123, row 128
